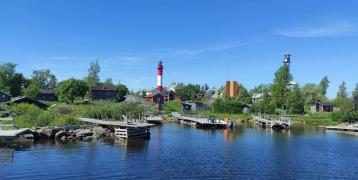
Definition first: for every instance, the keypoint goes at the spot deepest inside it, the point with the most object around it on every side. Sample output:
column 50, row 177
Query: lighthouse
column 160, row 77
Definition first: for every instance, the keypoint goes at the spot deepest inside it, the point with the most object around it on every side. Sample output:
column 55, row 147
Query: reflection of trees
column 6, row 155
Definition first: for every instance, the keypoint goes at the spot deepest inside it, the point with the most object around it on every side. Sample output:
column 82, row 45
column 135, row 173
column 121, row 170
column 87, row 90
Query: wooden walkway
column 266, row 121
column 116, row 123
column 13, row 133
column 6, row 125
column 200, row 121
column 342, row 128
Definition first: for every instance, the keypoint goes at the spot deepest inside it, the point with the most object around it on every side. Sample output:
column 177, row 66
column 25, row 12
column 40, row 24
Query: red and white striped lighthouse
column 160, row 77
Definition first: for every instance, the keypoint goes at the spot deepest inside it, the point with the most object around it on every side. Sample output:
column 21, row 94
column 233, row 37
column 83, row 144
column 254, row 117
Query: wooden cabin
column 4, row 97
column 104, row 93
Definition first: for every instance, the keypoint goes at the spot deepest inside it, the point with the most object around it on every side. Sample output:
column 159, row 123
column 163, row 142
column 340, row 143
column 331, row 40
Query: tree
column 7, row 73
column 295, row 101
column 355, row 96
column 10, row 81
column 69, row 90
column 280, row 87
column 189, row 92
column 32, row 89
column 323, row 85
column 45, row 79
column 93, row 74
column 122, row 90
column 342, row 92
column 108, row 82
column 311, row 95
column 243, row 95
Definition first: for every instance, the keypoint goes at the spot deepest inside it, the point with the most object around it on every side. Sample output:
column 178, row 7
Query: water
column 175, row 152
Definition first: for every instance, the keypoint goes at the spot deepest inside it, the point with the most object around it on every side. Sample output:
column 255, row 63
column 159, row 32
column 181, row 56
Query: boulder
column 61, row 134
column 48, row 132
column 83, row 133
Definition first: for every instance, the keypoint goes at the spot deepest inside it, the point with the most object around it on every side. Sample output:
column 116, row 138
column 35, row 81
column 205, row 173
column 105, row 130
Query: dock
column 200, row 121
column 154, row 119
column 4, row 125
column 123, row 129
column 342, row 128
column 266, row 121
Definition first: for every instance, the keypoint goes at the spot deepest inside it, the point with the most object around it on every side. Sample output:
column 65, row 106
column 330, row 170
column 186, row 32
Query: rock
column 63, row 138
column 88, row 138
column 29, row 136
column 49, row 132
column 83, row 133
column 61, row 134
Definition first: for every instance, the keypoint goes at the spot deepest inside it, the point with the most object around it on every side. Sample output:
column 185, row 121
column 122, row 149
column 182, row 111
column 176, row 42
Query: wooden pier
column 4, row 123
column 201, row 121
column 342, row 128
column 154, row 119
column 123, row 129
column 266, row 121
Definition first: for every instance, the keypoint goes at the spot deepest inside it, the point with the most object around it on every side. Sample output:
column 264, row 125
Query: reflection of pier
column 200, row 121
column 123, row 129
column 266, row 121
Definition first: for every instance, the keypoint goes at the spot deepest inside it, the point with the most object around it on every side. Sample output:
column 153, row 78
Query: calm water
column 177, row 152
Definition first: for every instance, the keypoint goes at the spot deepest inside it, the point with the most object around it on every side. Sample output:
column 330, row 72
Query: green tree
column 342, row 92
column 122, row 90
column 311, row 95
column 69, row 90
column 189, row 92
column 323, row 85
column 243, row 95
column 108, row 82
column 295, row 101
column 44, row 78
column 355, row 96
column 32, row 89
column 280, row 87
column 10, row 81
column 93, row 74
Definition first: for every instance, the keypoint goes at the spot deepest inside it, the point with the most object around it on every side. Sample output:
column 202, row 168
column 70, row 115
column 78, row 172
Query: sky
column 201, row 41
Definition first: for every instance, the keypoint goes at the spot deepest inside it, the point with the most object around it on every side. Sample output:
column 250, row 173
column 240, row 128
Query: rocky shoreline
column 75, row 132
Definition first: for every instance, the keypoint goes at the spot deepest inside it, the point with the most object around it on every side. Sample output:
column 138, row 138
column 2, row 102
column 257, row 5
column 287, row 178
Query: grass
column 62, row 114
column 315, row 119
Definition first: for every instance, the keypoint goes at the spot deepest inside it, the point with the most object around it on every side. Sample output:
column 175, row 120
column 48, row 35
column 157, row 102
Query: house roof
column 47, row 91
column 4, row 93
column 25, row 99
column 103, row 88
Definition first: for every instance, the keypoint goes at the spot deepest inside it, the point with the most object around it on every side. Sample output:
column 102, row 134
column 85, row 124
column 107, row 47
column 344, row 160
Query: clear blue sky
column 201, row 41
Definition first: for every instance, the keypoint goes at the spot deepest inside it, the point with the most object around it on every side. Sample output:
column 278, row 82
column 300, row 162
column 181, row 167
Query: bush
column 29, row 115
column 350, row 116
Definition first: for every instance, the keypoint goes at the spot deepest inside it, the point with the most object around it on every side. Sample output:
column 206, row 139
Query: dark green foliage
column 93, row 74
column 71, row 89
column 18, row 80
column 342, row 92
column 32, row 89
column 30, row 115
column 323, row 86
column 44, row 78
column 122, row 90
column 311, row 95
column 295, row 102
column 227, row 105
column 10, row 81
column 188, row 92
column 243, row 95
column 346, row 116
column 355, row 96
column 264, row 106
column 280, row 87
